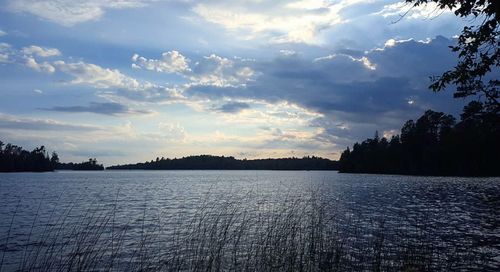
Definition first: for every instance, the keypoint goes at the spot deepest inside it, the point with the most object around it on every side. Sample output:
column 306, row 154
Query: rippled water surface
column 220, row 219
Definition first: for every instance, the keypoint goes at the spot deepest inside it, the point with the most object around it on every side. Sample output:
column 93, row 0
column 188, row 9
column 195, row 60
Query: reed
column 302, row 232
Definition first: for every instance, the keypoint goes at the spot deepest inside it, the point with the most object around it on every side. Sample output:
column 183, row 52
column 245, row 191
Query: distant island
column 91, row 164
column 209, row 162
column 434, row 145
column 14, row 158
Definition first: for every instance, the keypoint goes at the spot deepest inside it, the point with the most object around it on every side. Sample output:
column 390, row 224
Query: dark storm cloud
column 380, row 89
column 109, row 108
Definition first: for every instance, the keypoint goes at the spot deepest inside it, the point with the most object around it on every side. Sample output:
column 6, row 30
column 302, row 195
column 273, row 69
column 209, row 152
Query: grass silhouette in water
column 301, row 233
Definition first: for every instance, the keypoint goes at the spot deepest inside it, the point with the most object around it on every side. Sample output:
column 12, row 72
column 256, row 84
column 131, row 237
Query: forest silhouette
column 14, row 158
column 209, row 162
column 91, row 164
column 433, row 145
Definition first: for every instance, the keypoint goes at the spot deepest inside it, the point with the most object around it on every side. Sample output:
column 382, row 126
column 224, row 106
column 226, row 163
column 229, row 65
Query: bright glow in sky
column 127, row 81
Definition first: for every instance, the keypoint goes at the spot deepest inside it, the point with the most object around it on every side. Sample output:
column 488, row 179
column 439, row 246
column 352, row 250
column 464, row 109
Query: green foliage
column 433, row 145
column 478, row 52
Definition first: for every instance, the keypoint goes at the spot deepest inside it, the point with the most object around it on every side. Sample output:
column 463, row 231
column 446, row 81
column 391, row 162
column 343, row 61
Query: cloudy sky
column 130, row 80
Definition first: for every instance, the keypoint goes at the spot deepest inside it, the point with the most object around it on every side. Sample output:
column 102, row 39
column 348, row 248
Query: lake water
column 247, row 220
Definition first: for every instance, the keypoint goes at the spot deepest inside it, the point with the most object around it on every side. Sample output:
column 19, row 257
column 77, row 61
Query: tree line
column 14, row 158
column 91, row 164
column 433, row 145
column 209, row 162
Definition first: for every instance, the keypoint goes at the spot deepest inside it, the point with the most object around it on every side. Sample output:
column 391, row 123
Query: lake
column 247, row 220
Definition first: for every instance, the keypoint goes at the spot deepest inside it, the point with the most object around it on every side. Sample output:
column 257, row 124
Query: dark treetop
column 478, row 48
column 91, row 164
column 14, row 158
column 433, row 145
column 208, row 162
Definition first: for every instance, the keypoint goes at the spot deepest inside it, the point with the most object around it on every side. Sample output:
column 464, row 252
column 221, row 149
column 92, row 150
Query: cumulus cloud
column 170, row 62
column 109, row 108
column 2, row 33
column 219, row 71
column 327, row 82
column 70, row 12
column 41, row 51
column 26, row 56
column 209, row 70
column 342, row 96
column 96, row 76
column 113, row 83
column 46, row 67
column 364, row 92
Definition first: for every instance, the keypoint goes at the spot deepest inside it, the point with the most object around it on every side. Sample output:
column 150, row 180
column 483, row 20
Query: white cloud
column 123, row 87
column 70, row 12
column 38, row 91
column 287, row 52
column 219, row 71
column 170, row 62
column 209, row 70
column 367, row 63
column 41, row 51
column 25, row 56
column 40, row 67
column 294, row 22
column 96, row 76
column 390, row 43
column 5, row 52
column 2, row 33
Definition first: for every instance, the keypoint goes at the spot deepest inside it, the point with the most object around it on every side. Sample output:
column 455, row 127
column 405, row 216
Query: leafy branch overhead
column 476, row 73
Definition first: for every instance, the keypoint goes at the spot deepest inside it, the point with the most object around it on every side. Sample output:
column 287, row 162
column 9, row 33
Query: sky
column 131, row 80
